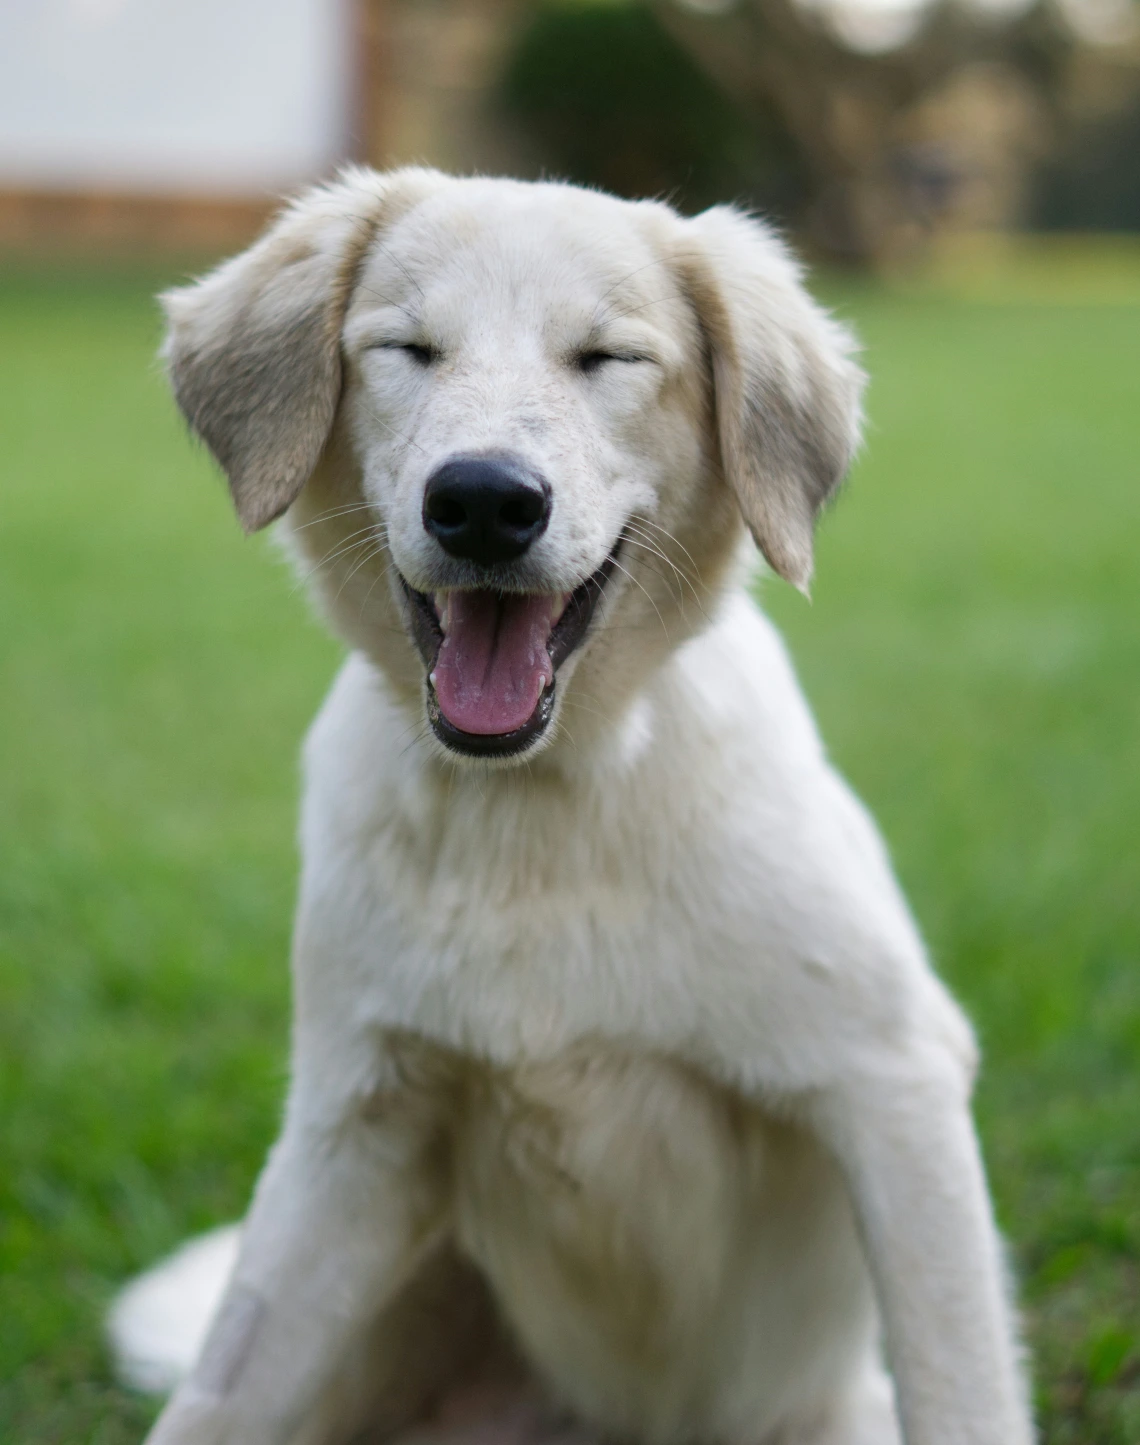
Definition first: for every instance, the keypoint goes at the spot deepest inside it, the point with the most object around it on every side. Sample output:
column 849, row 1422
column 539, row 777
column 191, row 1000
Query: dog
column 624, row 1103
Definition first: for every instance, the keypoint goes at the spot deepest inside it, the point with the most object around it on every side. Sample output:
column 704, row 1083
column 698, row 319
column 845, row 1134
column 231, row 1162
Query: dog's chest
column 603, row 1194
column 515, row 933
column 513, row 940
column 603, row 1160
column 612, row 1199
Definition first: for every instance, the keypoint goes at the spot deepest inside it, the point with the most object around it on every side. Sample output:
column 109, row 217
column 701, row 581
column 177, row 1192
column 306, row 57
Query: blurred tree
column 607, row 97
column 870, row 125
column 909, row 117
column 1093, row 182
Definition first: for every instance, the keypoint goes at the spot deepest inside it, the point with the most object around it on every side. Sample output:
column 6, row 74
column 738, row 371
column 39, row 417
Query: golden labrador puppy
column 624, row 1105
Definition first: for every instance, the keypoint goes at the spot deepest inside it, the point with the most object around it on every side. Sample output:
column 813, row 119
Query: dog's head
column 515, row 428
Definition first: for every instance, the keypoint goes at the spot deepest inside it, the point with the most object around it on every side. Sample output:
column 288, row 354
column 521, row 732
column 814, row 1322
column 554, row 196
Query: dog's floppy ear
column 253, row 349
column 787, row 392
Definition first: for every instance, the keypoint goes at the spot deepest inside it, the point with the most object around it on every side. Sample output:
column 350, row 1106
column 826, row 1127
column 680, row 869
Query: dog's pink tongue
column 491, row 667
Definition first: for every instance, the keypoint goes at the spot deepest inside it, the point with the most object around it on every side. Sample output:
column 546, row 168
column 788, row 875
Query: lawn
column 973, row 651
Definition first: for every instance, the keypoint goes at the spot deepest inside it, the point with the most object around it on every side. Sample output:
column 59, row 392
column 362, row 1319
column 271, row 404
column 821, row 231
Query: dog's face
column 530, row 402
column 521, row 392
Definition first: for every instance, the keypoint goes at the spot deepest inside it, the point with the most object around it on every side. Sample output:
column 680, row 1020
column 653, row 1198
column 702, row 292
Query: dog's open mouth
column 493, row 658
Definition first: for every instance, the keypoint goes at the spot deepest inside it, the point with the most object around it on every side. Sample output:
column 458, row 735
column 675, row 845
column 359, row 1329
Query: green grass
column 974, row 655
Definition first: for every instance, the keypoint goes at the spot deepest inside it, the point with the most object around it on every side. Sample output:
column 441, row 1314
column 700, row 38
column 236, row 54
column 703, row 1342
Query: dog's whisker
column 343, row 539
column 645, row 520
column 638, row 583
column 639, row 539
column 574, row 704
column 335, row 512
column 381, row 577
column 307, row 576
column 368, row 557
column 386, row 300
column 406, row 441
column 362, row 539
column 665, row 579
column 423, row 735
column 641, row 306
column 640, row 523
column 621, row 281
column 349, row 539
column 386, row 250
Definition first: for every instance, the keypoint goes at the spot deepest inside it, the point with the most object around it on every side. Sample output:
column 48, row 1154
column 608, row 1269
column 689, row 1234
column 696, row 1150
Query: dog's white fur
column 621, row 1083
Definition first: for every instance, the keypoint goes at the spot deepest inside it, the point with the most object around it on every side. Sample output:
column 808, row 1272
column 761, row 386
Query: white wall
column 172, row 95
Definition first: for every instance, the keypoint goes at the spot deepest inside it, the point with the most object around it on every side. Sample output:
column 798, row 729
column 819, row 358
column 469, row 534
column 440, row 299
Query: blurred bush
column 607, row 97
column 1093, row 182
column 873, row 128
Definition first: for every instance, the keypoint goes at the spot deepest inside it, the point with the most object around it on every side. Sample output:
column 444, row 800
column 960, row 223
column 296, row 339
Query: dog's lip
column 575, row 611
column 491, row 745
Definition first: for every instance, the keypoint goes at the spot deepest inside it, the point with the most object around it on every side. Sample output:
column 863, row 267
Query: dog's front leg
column 342, row 1216
column 906, row 1139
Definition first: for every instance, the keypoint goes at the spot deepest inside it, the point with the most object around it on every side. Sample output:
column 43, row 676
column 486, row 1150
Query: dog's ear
column 787, row 392
column 253, row 349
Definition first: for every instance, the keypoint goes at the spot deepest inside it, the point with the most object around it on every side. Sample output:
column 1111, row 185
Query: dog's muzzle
column 492, row 659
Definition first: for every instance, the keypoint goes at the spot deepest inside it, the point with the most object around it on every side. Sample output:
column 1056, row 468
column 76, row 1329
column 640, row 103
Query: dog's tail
column 158, row 1323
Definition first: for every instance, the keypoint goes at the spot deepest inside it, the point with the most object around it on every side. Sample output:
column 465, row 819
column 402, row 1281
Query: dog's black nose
column 486, row 509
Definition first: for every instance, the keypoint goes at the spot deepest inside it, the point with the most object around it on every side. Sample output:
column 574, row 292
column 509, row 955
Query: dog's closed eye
column 594, row 359
column 417, row 351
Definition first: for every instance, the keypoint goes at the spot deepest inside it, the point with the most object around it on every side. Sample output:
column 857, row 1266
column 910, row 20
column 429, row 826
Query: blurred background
column 875, row 129
column 964, row 178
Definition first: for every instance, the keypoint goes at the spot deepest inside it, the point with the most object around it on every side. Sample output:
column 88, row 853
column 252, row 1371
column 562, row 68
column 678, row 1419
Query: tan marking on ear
column 253, row 349
column 786, row 390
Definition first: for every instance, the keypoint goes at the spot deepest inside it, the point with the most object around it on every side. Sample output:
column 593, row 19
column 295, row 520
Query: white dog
column 624, row 1104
